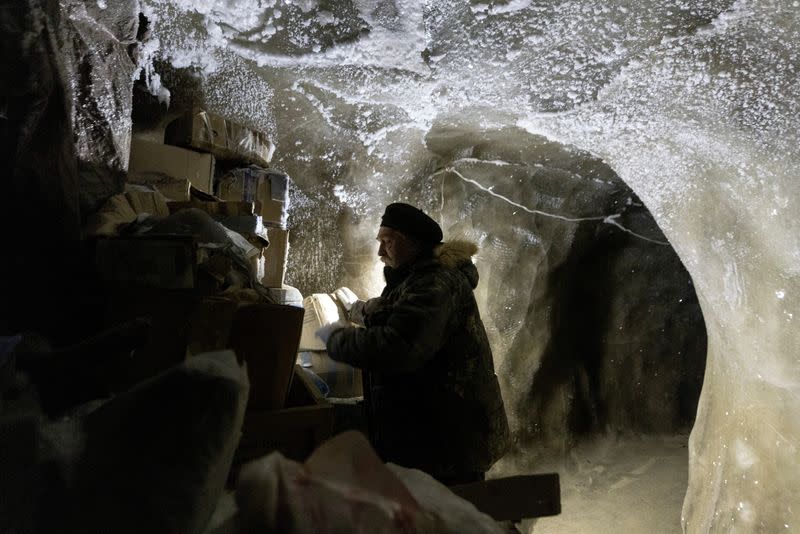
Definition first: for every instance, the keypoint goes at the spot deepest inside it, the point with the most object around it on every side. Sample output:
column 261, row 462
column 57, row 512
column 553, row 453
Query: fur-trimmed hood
column 457, row 254
column 453, row 253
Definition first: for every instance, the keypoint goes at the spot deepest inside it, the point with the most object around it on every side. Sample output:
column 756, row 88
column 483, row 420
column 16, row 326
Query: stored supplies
column 149, row 157
column 201, row 130
column 254, row 184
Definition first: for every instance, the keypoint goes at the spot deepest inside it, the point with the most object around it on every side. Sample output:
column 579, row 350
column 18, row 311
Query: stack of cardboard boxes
column 221, row 168
column 194, row 144
column 269, row 191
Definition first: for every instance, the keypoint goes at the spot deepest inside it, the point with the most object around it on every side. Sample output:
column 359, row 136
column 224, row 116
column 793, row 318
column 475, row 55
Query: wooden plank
column 514, row 498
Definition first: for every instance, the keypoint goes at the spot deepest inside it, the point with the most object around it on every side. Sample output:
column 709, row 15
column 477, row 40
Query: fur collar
column 454, row 253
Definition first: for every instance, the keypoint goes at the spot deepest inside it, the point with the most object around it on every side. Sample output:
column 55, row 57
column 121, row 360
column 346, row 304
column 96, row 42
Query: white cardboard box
column 274, row 258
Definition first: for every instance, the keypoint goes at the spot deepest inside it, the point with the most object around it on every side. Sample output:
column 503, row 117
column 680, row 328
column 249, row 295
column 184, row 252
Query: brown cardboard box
column 253, row 184
column 198, row 130
column 275, row 257
column 249, row 145
column 201, row 130
column 177, row 162
column 266, row 337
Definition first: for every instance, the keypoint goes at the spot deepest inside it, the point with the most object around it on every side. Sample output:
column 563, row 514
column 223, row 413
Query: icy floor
column 630, row 485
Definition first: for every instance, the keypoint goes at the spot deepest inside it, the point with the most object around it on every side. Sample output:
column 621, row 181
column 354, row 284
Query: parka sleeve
column 416, row 327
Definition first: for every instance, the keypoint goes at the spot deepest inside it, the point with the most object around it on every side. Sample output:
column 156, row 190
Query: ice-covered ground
column 634, row 485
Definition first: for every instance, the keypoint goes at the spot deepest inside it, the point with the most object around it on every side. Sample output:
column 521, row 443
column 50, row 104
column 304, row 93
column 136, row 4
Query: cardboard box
column 266, row 337
column 198, row 130
column 180, row 163
column 295, row 431
column 275, row 257
column 201, row 130
column 253, row 184
column 249, row 145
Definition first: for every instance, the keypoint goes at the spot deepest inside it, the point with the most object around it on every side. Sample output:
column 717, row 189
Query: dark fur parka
column 432, row 396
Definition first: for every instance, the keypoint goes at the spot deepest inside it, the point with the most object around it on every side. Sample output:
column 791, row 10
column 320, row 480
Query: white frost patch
column 243, row 15
column 745, row 456
column 746, row 512
column 349, row 198
column 514, row 5
column 304, row 5
column 732, row 283
column 511, row 7
column 740, row 11
column 326, row 17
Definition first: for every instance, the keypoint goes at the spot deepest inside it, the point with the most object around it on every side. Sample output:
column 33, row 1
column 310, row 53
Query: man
column 432, row 397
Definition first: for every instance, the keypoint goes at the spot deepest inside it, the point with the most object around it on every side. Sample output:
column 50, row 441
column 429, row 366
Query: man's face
column 396, row 249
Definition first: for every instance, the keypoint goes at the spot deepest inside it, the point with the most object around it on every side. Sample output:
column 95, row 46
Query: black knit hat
column 413, row 222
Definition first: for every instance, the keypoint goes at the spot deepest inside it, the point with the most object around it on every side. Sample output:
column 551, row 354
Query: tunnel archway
column 595, row 321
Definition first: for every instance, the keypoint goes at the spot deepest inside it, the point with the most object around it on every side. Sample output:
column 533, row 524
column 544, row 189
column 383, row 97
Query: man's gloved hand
column 346, row 296
column 356, row 312
column 353, row 307
column 324, row 332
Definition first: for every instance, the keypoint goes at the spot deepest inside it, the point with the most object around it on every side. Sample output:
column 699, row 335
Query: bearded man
column 431, row 394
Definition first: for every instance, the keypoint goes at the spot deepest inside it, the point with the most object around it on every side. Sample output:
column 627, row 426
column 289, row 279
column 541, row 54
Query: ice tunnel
column 628, row 170
column 598, row 336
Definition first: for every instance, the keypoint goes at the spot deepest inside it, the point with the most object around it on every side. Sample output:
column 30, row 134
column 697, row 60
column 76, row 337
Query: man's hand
column 346, row 296
column 324, row 332
column 353, row 307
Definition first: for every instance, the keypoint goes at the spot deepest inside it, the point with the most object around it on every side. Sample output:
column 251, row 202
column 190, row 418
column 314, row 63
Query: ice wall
column 593, row 320
column 704, row 128
column 694, row 105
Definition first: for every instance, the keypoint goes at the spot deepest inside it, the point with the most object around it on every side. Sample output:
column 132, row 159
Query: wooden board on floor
column 514, row 498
